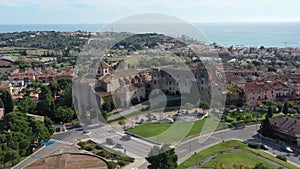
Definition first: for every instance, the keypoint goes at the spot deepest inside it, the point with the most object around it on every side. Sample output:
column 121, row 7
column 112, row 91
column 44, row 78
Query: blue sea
column 227, row 34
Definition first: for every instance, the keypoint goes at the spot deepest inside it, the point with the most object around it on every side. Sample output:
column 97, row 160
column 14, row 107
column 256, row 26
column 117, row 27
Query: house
column 22, row 77
column 265, row 90
column 122, row 85
column 286, row 128
column 177, row 80
column 7, row 86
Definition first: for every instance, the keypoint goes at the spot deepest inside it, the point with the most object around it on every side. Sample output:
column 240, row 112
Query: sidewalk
column 137, row 163
column 25, row 160
column 143, row 141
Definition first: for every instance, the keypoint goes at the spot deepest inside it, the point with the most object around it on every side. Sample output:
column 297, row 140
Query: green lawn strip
column 229, row 159
column 147, row 130
column 176, row 132
column 229, row 145
column 272, row 158
column 224, row 146
column 173, row 132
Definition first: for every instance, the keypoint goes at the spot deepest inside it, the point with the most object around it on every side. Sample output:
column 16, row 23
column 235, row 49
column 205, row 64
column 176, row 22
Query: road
column 138, row 148
column 44, row 152
column 187, row 148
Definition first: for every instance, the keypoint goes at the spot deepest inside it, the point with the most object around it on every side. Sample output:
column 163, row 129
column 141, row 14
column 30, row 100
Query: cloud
column 190, row 10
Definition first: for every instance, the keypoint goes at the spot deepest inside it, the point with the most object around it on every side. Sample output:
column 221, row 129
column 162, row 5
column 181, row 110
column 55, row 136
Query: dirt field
column 69, row 161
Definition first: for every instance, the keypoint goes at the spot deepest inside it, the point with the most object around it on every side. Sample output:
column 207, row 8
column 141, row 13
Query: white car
column 288, row 149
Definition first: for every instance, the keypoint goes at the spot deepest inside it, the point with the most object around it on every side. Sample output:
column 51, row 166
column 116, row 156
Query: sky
column 107, row 11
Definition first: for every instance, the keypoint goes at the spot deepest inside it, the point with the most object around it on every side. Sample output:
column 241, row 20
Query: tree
column 44, row 91
column 19, row 131
column 266, row 128
column 11, row 155
column 107, row 107
column 46, row 106
column 270, row 103
column 54, row 88
column 49, row 125
column 204, row 106
column 39, row 130
column 66, row 98
column 270, row 112
column 279, row 106
column 285, row 109
column 27, row 105
column 63, row 83
column 63, row 114
column 122, row 122
column 23, row 53
column 162, row 158
column 7, row 101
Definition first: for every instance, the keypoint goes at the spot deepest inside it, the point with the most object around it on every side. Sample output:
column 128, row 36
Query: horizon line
column 104, row 23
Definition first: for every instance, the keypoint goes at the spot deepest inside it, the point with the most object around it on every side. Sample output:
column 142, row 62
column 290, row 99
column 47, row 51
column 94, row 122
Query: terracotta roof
column 288, row 125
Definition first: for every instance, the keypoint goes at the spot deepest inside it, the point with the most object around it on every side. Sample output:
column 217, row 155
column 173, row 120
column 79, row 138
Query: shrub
column 98, row 147
column 253, row 145
column 82, row 145
column 281, row 157
column 102, row 154
column 121, row 163
column 88, row 148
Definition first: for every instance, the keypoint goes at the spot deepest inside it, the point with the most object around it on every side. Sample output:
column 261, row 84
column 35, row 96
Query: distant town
column 39, row 108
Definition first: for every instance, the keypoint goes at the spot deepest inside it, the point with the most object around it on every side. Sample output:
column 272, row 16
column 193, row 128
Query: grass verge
column 229, row 145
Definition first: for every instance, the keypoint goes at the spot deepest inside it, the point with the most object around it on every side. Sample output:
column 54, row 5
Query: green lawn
column 173, row 132
column 228, row 145
column 229, row 159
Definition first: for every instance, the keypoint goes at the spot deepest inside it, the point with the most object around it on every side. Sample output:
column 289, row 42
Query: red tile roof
column 287, row 125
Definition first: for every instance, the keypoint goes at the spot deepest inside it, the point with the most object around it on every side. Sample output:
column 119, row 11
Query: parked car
column 86, row 132
column 179, row 113
column 140, row 122
column 199, row 115
column 287, row 149
column 118, row 145
column 126, row 137
column 110, row 141
column 263, row 147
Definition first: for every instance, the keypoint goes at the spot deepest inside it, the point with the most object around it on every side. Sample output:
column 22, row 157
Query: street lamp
column 112, row 160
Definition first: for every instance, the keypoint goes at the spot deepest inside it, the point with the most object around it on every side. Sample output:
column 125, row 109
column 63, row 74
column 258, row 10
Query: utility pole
column 112, row 160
